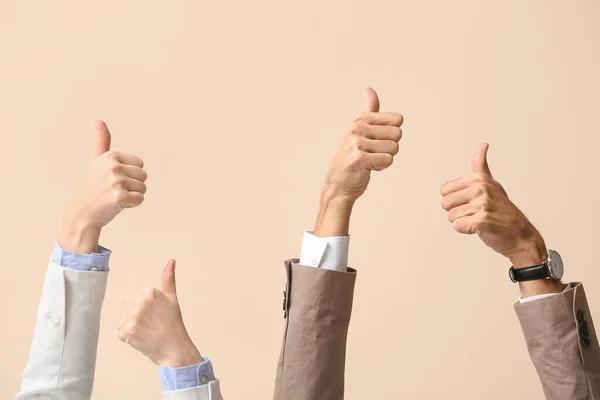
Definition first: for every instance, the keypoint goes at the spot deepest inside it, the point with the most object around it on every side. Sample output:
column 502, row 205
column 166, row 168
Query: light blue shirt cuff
column 84, row 262
column 186, row 377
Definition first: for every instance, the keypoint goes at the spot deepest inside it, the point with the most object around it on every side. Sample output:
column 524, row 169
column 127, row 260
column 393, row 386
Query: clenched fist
column 112, row 182
column 479, row 204
column 151, row 322
column 370, row 145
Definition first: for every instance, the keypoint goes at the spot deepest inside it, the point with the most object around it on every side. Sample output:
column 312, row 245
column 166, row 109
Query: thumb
column 479, row 162
column 168, row 280
column 102, row 139
column 371, row 100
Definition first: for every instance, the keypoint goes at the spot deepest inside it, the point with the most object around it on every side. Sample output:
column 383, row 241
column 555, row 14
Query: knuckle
column 388, row 160
column 137, row 199
column 443, row 190
column 360, row 144
column 485, row 201
column 444, row 203
column 479, row 188
column 399, row 120
column 119, row 183
column 115, row 167
column 356, row 156
column 356, row 128
column 360, row 117
column 119, row 194
column 399, row 135
column 457, row 227
column 124, row 334
column 395, row 149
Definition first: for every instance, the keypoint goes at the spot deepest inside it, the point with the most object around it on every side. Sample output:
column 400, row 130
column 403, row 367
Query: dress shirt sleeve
column 542, row 296
column 325, row 252
column 186, row 377
column 97, row 261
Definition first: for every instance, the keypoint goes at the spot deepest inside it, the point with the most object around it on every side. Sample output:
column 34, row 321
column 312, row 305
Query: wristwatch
column 552, row 268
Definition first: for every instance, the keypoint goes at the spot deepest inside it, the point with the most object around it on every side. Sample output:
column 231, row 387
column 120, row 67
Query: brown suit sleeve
column 317, row 308
column 562, row 343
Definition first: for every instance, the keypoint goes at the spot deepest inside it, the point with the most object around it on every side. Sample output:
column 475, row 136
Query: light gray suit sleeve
column 212, row 391
column 62, row 359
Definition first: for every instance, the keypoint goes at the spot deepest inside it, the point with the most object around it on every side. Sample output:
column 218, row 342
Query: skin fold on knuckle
column 357, row 128
column 360, row 144
column 446, row 203
column 398, row 135
column 361, row 117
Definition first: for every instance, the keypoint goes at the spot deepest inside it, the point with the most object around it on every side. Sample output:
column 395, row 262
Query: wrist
column 334, row 215
column 181, row 357
column 530, row 252
column 534, row 252
column 79, row 236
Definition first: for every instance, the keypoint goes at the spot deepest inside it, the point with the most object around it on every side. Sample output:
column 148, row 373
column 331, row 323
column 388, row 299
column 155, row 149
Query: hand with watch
column 479, row 204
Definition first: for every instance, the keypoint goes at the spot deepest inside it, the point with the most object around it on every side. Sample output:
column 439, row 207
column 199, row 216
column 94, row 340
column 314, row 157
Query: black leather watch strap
column 529, row 273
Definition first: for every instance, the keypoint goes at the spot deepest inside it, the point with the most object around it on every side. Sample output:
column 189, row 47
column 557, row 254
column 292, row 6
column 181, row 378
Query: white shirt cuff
column 541, row 296
column 326, row 252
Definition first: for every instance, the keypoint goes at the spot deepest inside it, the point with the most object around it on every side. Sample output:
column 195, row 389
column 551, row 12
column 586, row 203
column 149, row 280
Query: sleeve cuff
column 186, row 377
column 97, row 261
column 326, row 252
column 541, row 296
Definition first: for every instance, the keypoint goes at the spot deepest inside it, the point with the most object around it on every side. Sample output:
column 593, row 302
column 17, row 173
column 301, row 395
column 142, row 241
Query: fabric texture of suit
column 559, row 333
column 62, row 359
column 563, row 345
column 317, row 307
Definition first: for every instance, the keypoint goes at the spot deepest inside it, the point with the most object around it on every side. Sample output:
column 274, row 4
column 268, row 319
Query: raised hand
column 112, row 182
column 151, row 322
column 370, row 145
column 479, row 204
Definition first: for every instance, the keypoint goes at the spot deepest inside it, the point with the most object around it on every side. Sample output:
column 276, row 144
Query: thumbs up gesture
column 479, row 204
column 112, row 182
column 151, row 322
column 370, row 145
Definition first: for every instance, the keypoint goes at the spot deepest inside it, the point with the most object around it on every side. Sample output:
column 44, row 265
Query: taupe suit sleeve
column 62, row 359
column 562, row 343
column 317, row 307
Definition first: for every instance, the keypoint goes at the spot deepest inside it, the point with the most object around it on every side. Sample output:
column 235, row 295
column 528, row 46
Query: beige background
column 237, row 107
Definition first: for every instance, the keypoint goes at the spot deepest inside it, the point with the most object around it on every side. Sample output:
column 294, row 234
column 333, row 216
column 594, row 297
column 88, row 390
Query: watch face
column 555, row 264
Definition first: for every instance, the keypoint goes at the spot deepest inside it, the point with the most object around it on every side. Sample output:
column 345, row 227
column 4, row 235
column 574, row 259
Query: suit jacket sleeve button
column 585, row 342
column 580, row 315
column 584, row 334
